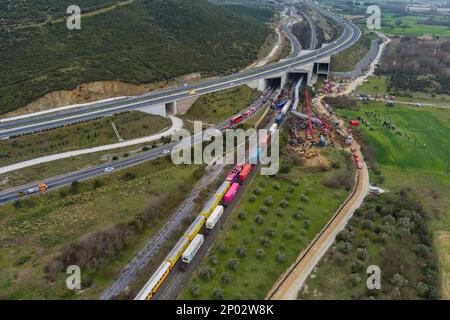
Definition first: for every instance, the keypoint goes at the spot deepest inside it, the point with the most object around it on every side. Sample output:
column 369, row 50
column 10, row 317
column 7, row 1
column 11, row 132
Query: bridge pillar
column 283, row 80
column 172, row 108
column 159, row 110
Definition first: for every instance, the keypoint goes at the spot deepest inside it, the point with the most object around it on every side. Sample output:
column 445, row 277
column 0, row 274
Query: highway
column 17, row 127
column 95, row 171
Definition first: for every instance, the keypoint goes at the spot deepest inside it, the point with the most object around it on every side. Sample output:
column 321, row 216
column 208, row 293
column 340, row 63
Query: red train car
column 245, row 172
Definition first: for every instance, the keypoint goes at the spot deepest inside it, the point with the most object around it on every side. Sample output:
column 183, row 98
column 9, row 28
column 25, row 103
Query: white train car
column 214, row 217
column 286, row 107
column 154, row 283
column 273, row 128
column 193, row 248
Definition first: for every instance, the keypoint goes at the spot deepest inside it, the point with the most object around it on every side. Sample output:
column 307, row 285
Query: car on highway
column 249, row 112
column 166, row 151
column 109, row 169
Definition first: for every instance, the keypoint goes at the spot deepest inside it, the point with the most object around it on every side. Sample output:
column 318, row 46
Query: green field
column 263, row 237
column 35, row 230
column 141, row 42
column 411, row 25
column 219, row 106
column 414, row 155
column 130, row 125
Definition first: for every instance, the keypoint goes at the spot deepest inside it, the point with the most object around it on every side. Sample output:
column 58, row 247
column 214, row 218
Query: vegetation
column 182, row 36
column 219, row 106
column 265, row 233
column 414, row 65
column 391, row 232
column 414, row 26
column 347, row 59
column 79, row 225
column 85, row 135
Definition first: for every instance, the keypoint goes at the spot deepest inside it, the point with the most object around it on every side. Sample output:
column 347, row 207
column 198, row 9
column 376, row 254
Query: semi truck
column 40, row 188
column 214, row 217
column 193, row 248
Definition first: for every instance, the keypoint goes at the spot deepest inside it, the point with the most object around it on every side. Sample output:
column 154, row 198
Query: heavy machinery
column 40, row 188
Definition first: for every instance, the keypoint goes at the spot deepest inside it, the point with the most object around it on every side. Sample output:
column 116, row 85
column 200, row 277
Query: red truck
column 245, row 172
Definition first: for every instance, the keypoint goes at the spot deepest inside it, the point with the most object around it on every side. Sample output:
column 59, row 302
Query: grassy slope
column 405, row 163
column 254, row 276
column 44, row 224
column 219, row 106
column 94, row 133
column 347, row 59
column 141, row 42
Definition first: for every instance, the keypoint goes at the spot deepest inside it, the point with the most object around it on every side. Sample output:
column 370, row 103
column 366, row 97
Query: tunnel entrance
column 273, row 82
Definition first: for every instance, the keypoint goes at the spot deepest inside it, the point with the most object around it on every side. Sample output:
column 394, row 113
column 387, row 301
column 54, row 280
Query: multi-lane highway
column 16, row 127
column 67, row 179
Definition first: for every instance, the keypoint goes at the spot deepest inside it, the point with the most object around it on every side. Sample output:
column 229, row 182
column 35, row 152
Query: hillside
column 143, row 41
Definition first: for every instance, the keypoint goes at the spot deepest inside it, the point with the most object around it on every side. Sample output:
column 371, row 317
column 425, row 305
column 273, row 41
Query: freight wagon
column 214, row 218
column 231, row 193
column 193, row 248
column 245, row 172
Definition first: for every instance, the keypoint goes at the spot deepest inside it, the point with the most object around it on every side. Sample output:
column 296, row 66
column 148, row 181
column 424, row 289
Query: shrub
column 281, row 257
column 259, row 219
column 127, row 176
column 218, row 294
column 265, row 241
column 367, row 224
column 235, row 226
column 344, row 235
column 304, row 198
column 297, row 215
column 263, row 210
column 252, row 198
column 242, row 216
column 213, row 260
column 280, row 212
column 276, row 186
column 268, row 201
column 223, row 248
column 97, row 184
column 357, row 267
column 233, row 264
column 207, row 273
column 288, row 234
column 226, row 277
column 257, row 191
column 307, row 222
column 195, row 291
column 284, row 204
column 260, row 253
column 345, row 247
column 241, row 252
column 362, row 254
column 271, row 232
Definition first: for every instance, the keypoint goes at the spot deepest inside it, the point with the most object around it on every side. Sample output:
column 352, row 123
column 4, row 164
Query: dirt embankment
column 94, row 91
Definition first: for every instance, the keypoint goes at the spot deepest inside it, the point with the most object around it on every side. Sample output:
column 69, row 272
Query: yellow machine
column 192, row 92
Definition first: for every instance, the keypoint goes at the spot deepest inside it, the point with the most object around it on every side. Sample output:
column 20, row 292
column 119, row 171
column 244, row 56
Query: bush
column 269, row 201
column 260, row 253
column 280, row 212
column 367, row 224
column 195, row 291
column 304, row 198
column 75, row 187
column 259, row 219
column 233, row 264
column 127, row 176
column 218, row 294
column 286, row 165
column 263, row 210
column 242, row 216
column 213, row 260
column 344, row 235
column 281, row 257
column 252, row 198
column 98, row 184
column 207, row 273
column 298, row 215
column 357, row 267
column 265, row 241
column 362, row 254
column 257, row 191
column 284, row 204
column 226, row 277
column 307, row 223
column 276, row 186
column 271, row 232
column 223, row 248
column 288, row 234
column 241, row 252
column 354, row 279
column 345, row 247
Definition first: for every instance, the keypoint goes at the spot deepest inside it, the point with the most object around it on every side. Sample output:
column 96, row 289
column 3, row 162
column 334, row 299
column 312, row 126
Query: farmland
column 276, row 219
column 34, row 231
column 411, row 26
column 130, row 125
column 408, row 148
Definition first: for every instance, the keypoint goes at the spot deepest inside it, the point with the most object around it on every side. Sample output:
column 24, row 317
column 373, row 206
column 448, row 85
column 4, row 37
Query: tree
column 218, row 294
column 362, row 254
